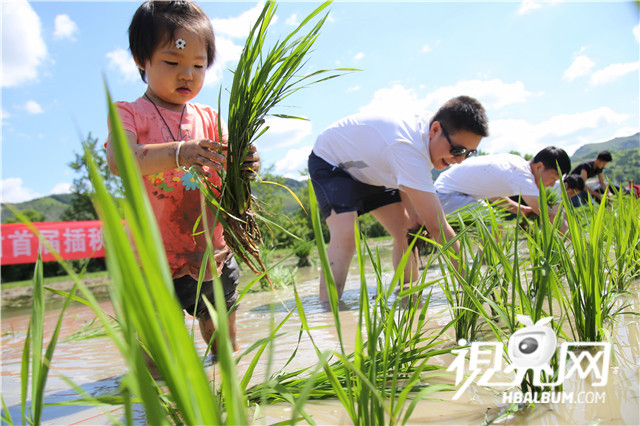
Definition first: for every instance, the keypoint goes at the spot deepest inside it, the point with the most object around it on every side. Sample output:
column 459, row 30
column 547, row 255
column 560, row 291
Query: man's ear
column 433, row 129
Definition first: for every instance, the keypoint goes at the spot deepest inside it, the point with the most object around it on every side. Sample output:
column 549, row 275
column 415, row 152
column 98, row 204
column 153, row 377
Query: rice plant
column 591, row 293
column 623, row 222
column 261, row 81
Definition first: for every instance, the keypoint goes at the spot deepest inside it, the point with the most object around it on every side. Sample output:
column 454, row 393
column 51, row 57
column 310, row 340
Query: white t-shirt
column 489, row 176
column 380, row 150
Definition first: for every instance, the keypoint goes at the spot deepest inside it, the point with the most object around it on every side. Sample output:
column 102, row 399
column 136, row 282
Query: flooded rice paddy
column 96, row 367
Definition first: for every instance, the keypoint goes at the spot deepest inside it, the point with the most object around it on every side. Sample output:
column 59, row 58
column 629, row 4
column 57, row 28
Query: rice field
column 457, row 346
column 384, row 354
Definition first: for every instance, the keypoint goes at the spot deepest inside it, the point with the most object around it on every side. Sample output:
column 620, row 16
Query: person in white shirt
column 381, row 163
column 497, row 177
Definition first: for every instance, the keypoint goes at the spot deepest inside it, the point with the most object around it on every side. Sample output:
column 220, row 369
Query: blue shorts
column 187, row 287
column 337, row 190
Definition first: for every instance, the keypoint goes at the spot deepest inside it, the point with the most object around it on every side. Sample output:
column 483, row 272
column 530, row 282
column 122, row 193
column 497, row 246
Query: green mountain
column 624, row 167
column 51, row 207
column 626, row 158
column 589, row 151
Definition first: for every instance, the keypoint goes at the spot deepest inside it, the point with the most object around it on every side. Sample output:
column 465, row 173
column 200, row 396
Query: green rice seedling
column 32, row 356
column 142, row 295
column 261, row 81
column 623, row 222
column 590, row 294
column 386, row 367
column 382, row 379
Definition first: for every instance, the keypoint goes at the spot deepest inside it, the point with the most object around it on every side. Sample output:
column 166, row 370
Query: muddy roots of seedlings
column 243, row 237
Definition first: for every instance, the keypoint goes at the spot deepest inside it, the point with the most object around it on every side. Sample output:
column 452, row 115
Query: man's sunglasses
column 457, row 150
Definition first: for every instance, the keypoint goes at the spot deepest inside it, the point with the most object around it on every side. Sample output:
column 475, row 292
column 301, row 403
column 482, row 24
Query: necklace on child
column 165, row 121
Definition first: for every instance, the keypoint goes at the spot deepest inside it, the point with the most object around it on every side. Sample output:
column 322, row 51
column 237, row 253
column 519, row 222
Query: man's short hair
column 574, row 182
column 463, row 113
column 552, row 158
column 604, row 156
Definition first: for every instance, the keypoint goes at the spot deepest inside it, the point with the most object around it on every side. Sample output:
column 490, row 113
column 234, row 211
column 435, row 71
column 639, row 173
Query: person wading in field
column 381, row 163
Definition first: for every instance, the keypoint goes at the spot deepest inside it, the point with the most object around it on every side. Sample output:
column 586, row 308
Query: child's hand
column 251, row 163
column 201, row 152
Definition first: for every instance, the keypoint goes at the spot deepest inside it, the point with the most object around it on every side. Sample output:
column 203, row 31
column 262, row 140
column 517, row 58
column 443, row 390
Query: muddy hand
column 251, row 163
column 201, row 152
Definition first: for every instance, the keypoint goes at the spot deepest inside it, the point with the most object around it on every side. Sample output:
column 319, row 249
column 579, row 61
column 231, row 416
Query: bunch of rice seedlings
column 591, row 294
column 150, row 318
column 261, row 81
column 623, row 222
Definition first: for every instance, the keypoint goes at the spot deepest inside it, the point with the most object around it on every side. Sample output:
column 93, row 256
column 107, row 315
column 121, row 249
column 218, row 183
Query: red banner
column 72, row 240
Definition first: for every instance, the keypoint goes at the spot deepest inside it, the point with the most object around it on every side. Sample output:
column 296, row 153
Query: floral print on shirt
column 167, row 182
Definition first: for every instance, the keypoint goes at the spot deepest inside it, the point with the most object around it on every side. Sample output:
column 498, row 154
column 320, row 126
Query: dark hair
column 574, row 182
column 463, row 113
column 552, row 157
column 156, row 22
column 604, row 156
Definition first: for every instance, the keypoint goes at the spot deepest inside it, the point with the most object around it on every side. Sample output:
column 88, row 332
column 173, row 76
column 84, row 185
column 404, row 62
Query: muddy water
column 95, row 365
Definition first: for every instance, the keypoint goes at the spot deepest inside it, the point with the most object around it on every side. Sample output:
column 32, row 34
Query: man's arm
column 512, row 206
column 427, row 206
column 535, row 207
column 583, row 173
column 603, row 184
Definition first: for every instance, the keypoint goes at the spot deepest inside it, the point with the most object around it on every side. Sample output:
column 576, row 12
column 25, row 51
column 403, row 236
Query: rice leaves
column 262, row 79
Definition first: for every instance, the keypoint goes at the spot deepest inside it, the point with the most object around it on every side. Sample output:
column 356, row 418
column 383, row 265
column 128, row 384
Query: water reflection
column 96, row 366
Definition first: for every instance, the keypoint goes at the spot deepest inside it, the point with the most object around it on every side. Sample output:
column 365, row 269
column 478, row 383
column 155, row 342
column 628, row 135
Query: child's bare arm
column 156, row 158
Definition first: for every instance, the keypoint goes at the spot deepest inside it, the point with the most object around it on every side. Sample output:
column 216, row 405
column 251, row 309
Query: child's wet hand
column 202, row 152
column 251, row 163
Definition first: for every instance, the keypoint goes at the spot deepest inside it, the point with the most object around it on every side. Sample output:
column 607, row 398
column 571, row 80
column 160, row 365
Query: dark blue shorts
column 336, row 190
column 187, row 287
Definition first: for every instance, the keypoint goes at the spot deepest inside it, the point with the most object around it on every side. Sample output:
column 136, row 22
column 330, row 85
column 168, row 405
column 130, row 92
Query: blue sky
column 549, row 73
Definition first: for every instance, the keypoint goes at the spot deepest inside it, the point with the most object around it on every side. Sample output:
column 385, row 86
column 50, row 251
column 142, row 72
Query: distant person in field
column 381, row 163
column 498, row 177
column 587, row 170
column 574, row 185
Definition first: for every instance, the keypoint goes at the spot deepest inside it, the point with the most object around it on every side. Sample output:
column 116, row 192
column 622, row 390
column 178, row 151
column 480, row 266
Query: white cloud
column 23, row 48
column 358, row 56
column 65, row 28
column 284, row 132
column 493, row 94
column 353, row 88
column 294, row 161
column 530, row 5
column 227, row 53
column 396, row 98
column 4, row 114
column 636, row 32
column 562, row 130
column 527, row 6
column 613, row 72
column 293, row 20
column 239, row 26
column 121, row 60
column 61, row 188
column 32, row 107
column 626, row 131
column 13, row 191
column 426, row 48
column 580, row 67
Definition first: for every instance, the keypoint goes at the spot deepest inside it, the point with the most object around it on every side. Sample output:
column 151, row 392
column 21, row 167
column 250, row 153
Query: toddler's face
column 175, row 74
